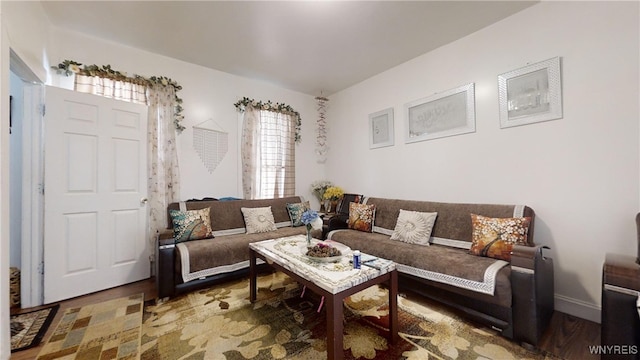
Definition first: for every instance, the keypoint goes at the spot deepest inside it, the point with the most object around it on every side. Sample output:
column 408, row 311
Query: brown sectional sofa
column 219, row 259
column 518, row 301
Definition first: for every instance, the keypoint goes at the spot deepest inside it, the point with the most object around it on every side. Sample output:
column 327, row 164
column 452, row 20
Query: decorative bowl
column 325, row 259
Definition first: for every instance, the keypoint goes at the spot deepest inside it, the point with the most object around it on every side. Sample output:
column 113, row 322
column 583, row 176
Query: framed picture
column 531, row 94
column 381, row 129
column 449, row 113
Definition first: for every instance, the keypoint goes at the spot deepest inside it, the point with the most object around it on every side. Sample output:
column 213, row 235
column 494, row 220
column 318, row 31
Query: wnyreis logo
column 613, row 349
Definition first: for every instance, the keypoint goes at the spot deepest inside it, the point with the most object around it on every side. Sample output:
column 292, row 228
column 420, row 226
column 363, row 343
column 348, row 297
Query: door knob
column 143, row 201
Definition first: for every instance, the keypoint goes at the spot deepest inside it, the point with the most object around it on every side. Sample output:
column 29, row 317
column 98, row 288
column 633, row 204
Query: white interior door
column 95, row 229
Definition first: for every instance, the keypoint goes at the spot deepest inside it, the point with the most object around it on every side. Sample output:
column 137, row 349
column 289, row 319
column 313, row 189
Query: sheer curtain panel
column 164, row 173
column 114, row 89
column 268, row 154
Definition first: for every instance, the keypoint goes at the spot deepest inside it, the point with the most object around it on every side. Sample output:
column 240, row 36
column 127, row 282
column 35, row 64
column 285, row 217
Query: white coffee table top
column 289, row 252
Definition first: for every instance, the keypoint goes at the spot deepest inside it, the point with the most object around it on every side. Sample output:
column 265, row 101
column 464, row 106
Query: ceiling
column 314, row 47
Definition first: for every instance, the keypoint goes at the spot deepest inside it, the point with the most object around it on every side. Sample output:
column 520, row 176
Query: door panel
column 95, row 178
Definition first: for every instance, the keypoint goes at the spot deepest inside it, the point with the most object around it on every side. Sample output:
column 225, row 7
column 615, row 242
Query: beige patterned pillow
column 414, row 227
column 258, row 220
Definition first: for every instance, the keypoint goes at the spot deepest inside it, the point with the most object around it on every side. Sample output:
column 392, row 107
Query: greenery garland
column 69, row 67
column 245, row 102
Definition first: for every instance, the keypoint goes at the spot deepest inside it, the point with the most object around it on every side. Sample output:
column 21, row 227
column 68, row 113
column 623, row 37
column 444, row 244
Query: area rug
column 107, row 330
column 221, row 323
column 27, row 329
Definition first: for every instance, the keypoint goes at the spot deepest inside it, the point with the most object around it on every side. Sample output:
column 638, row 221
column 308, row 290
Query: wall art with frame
column 531, row 94
column 381, row 129
column 448, row 113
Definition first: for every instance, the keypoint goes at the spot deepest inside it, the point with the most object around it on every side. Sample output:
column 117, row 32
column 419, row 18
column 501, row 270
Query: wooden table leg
column 253, row 283
column 335, row 328
column 393, row 307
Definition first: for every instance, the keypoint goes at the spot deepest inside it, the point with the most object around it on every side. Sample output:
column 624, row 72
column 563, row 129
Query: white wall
column 207, row 94
column 28, row 29
column 580, row 174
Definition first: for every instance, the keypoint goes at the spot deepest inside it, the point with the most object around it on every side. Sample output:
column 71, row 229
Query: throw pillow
column 361, row 216
column 258, row 220
column 295, row 212
column 414, row 227
column 495, row 237
column 191, row 224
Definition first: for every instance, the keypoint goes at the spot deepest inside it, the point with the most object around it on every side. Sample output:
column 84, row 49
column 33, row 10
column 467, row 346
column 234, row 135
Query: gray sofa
column 190, row 265
column 517, row 301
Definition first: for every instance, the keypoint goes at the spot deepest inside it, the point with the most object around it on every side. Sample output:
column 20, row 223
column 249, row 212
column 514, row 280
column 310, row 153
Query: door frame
column 32, row 253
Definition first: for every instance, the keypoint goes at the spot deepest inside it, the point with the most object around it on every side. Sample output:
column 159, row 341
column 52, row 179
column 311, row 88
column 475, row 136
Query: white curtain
column 250, row 152
column 164, row 174
column 268, row 154
column 114, row 89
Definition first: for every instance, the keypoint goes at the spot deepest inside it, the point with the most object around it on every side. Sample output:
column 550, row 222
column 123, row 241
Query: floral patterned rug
column 221, row 323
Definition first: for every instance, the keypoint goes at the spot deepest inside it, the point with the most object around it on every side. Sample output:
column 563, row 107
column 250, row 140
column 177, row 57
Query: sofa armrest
column 165, row 263
column 338, row 222
column 621, row 271
column 525, row 257
column 532, row 292
column 620, row 320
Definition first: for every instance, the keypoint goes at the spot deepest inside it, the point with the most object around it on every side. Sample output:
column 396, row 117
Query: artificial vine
column 245, row 102
column 69, row 67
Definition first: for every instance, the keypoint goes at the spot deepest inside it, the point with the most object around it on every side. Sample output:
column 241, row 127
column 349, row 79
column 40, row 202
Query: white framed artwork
column 448, row 113
column 381, row 129
column 531, row 94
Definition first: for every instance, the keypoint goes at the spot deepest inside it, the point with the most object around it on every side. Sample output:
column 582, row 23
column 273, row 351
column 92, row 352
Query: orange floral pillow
column 495, row 237
column 361, row 216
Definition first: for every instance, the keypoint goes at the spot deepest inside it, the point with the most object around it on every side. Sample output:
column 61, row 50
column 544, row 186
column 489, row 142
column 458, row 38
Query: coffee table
column 335, row 281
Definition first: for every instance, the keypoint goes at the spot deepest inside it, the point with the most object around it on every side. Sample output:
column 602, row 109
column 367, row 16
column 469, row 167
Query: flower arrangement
column 69, row 67
column 319, row 187
column 312, row 221
column 333, row 193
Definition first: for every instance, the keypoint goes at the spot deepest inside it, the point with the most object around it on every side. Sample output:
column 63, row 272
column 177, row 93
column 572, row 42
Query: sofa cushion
column 414, row 227
column 495, row 237
column 191, row 224
column 458, row 265
column 361, row 217
column 200, row 258
column 453, row 218
column 295, row 212
column 258, row 220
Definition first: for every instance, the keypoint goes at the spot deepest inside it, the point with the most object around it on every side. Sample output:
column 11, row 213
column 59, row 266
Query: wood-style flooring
column 568, row 337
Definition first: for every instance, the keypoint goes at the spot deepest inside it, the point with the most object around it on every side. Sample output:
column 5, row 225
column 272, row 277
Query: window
column 268, row 154
column 277, row 156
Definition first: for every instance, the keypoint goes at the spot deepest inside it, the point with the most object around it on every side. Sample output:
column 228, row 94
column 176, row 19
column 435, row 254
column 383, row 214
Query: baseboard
column 578, row 308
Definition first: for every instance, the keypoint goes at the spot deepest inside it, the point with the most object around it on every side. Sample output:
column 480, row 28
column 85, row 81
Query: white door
column 95, row 230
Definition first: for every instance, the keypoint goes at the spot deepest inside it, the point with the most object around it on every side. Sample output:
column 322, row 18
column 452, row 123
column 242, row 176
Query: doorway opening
column 26, row 180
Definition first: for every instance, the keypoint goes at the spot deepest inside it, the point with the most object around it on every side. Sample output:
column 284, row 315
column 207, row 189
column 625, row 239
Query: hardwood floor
column 568, row 337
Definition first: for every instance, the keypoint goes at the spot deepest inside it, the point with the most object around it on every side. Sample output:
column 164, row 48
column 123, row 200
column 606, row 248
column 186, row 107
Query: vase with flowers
column 311, row 220
column 333, row 194
column 318, row 189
